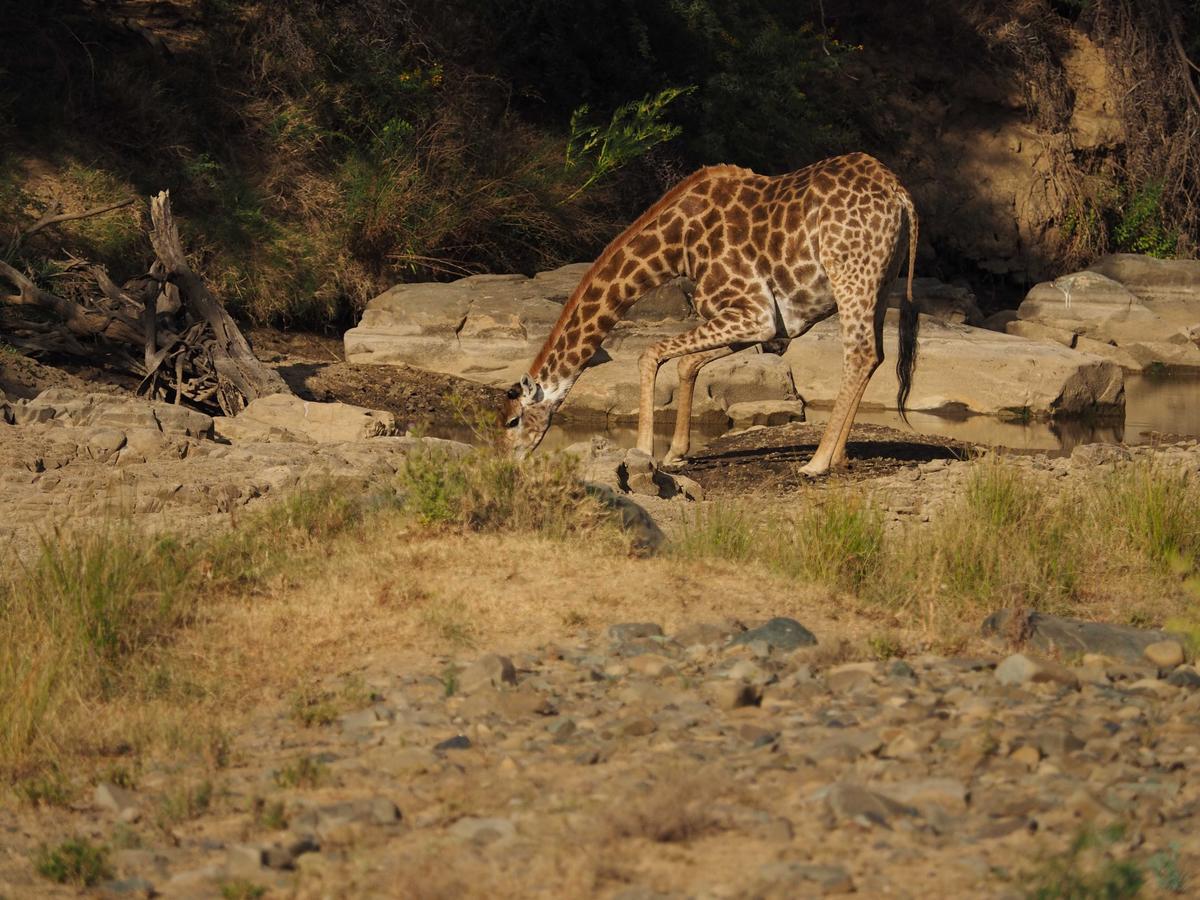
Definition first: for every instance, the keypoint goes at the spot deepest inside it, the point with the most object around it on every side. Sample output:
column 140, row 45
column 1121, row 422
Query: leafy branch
column 634, row 128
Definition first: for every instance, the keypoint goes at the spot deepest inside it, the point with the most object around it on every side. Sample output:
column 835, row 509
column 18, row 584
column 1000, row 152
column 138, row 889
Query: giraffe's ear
column 531, row 390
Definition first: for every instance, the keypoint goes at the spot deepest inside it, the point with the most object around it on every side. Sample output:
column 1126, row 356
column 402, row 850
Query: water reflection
column 1155, row 405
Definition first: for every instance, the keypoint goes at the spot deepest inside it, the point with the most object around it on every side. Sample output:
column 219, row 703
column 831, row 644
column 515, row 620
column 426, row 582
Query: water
column 1155, row 405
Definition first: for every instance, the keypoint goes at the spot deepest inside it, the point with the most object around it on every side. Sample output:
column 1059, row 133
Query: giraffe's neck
column 608, row 289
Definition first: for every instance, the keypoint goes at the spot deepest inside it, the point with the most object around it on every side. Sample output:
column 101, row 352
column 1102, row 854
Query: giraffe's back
column 790, row 236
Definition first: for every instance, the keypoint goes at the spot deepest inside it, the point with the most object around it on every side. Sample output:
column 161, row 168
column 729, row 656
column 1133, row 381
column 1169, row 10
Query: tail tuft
column 909, row 320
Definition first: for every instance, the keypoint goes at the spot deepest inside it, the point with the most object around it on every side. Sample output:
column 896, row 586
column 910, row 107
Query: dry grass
column 677, row 806
column 115, row 640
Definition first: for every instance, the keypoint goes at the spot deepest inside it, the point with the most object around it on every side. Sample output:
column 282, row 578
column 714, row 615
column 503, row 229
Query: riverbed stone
column 964, row 371
column 1058, row 634
column 1164, row 654
column 780, row 633
column 1020, row 669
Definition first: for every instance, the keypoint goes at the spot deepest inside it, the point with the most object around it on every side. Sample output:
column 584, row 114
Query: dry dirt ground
column 465, row 715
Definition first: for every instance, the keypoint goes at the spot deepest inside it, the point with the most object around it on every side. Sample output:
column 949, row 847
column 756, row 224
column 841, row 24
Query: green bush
column 75, row 861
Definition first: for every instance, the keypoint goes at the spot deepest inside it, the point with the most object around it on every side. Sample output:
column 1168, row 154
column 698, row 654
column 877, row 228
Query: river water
column 1156, row 406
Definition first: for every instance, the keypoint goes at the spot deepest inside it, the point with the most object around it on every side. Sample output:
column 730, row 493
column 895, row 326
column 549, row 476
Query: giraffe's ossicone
column 770, row 257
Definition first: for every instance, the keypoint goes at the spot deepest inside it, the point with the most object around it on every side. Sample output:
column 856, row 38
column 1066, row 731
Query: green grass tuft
column 75, row 861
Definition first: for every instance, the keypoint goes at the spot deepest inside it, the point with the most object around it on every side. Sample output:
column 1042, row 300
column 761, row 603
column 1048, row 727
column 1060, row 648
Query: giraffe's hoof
column 673, row 461
column 811, row 471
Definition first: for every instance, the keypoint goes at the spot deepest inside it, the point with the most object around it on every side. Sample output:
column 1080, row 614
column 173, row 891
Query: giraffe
column 770, row 257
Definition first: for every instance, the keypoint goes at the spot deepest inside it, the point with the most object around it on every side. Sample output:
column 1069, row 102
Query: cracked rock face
column 1132, row 310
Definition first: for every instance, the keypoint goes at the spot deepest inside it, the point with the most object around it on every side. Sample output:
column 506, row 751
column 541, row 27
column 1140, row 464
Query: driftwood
column 164, row 326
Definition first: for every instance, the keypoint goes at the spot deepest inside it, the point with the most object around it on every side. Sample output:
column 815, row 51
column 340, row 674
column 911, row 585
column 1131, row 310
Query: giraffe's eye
column 513, row 422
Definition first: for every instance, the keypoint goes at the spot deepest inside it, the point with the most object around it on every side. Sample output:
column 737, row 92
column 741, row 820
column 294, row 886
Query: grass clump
column 69, row 620
column 184, row 802
column 75, row 861
column 487, row 490
column 837, row 540
column 304, row 772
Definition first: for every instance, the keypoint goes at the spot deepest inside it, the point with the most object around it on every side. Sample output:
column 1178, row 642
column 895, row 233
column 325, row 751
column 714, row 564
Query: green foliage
column 75, row 861
column 242, row 889
column 634, row 128
column 1164, row 866
column 47, row 788
column 769, row 88
column 1141, row 227
column 1076, row 874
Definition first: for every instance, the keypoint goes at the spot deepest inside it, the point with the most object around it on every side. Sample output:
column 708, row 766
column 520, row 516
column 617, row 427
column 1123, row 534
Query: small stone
column 562, row 728
column 729, row 695
column 1151, row 686
column 651, row 665
column 851, row 803
column 704, row 633
column 1056, row 741
column 491, row 670
column 629, row 631
column 805, row 879
column 745, row 670
column 244, row 859
column 1027, row 755
column 1184, row 677
column 1164, row 654
column 780, row 633
column 480, row 831
column 1020, row 669
column 898, row 668
column 115, row 799
column 639, row 727
column 850, row 677
column 458, row 742
column 127, row 887
column 756, row 734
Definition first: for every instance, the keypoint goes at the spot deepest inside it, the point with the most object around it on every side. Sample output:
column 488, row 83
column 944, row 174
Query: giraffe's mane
column 616, row 244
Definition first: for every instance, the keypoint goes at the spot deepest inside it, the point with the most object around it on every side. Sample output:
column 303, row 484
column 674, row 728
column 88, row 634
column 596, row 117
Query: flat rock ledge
column 1136, row 311
column 488, row 328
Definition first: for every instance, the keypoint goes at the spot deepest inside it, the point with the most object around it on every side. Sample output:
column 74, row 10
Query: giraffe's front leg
column 648, row 364
column 689, row 369
column 733, row 328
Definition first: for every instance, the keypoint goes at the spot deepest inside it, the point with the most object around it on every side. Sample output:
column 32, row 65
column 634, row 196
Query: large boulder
column 489, row 328
column 1145, row 311
column 963, row 371
column 287, row 418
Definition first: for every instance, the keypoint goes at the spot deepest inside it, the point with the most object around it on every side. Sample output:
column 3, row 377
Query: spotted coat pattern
column 770, row 257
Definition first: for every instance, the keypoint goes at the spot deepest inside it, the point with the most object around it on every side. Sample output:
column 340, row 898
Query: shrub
column 75, row 861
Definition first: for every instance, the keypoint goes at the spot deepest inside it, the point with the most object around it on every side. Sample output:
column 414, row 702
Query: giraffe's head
column 525, row 416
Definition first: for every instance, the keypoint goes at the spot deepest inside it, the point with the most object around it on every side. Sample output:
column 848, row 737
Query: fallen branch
column 164, row 326
column 49, row 219
column 241, row 377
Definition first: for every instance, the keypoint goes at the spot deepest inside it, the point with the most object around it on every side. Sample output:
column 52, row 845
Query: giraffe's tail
column 910, row 322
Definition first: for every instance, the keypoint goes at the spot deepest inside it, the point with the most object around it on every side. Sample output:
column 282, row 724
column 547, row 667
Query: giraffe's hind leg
column 861, row 310
column 689, row 368
column 740, row 323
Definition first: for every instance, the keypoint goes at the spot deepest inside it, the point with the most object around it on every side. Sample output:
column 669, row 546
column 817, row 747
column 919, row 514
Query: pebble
column 1164, row 654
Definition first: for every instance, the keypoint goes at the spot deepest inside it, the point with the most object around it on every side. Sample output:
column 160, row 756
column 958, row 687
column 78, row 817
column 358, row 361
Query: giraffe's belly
column 796, row 314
